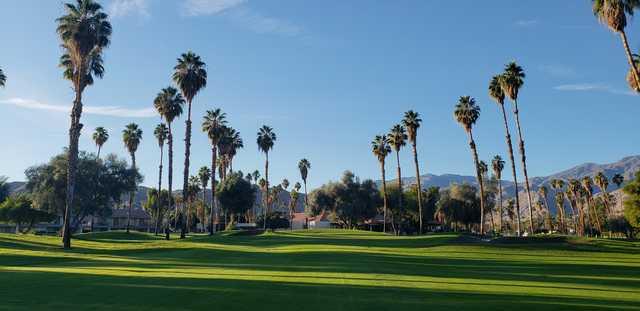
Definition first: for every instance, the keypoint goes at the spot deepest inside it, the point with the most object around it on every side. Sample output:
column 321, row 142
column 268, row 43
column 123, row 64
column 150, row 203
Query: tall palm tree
column 169, row 104
column 190, row 76
column 131, row 136
column 85, row 33
column 613, row 13
column 236, row 143
column 381, row 149
column 304, row 166
column 398, row 139
column 266, row 139
column 204, row 174
column 573, row 194
column 484, row 170
column 100, row 137
column 3, row 78
column 603, row 183
column 587, row 185
column 213, row 124
column 293, row 201
column 467, row 113
column 411, row 122
column 511, row 82
column 558, row 187
column 542, row 192
column 617, row 179
column 497, row 93
column 497, row 164
column 256, row 176
column 161, row 132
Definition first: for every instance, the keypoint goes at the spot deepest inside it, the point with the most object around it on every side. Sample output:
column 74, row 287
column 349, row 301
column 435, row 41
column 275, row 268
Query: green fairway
column 316, row 270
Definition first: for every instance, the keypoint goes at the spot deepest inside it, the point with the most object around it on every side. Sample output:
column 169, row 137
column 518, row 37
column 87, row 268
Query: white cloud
column 242, row 16
column 122, row 8
column 208, row 7
column 592, row 87
column 526, row 22
column 261, row 24
column 114, row 111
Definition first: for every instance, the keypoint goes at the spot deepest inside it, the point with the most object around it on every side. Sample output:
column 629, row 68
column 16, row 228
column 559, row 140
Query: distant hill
column 627, row 167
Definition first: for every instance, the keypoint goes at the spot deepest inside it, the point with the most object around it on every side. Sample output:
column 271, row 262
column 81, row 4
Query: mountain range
column 627, row 167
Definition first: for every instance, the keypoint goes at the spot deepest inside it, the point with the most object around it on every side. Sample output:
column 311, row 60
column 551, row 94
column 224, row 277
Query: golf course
column 317, row 270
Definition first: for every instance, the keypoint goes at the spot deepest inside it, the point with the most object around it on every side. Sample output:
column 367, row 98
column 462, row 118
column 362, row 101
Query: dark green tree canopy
column 236, row 195
column 19, row 211
column 100, row 185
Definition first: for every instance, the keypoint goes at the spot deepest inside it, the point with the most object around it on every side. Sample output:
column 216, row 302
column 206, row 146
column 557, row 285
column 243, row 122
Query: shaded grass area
column 317, row 270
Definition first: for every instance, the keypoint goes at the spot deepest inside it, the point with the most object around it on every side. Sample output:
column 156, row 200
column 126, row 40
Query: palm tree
column 3, row 78
column 613, row 13
column 381, row 149
column 100, row 136
column 467, row 113
column 85, row 33
column 484, row 170
column 161, row 132
column 266, row 139
column 542, row 192
column 256, row 176
column 397, row 139
column 497, row 164
column 603, row 183
column 236, row 143
column 587, row 184
column 131, row 136
column 169, row 104
column 511, row 82
column 204, row 174
column 304, row 166
column 573, row 194
column 617, row 179
column 213, row 124
column 190, row 76
column 285, row 184
column 293, row 202
column 412, row 122
column 496, row 92
column 558, row 187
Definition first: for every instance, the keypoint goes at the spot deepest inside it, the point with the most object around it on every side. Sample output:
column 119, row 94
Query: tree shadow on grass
column 47, row 291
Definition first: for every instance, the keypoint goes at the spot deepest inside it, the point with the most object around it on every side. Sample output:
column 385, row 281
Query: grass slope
column 317, row 270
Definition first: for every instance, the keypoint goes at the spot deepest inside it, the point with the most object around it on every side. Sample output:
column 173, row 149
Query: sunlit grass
column 316, row 270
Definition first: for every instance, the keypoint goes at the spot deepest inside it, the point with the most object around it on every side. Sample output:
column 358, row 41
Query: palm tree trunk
column 384, row 198
column 74, row 136
column 213, row 190
column 132, row 194
column 170, row 177
column 513, row 167
column 595, row 214
column 306, row 197
column 187, row 154
column 524, row 164
column 265, row 211
column 419, row 188
column 500, row 204
column 159, row 190
column 399, row 180
column 549, row 222
column 474, row 150
column 99, row 149
column 625, row 43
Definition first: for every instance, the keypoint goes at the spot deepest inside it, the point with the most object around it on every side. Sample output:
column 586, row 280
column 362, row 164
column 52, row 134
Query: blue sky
column 328, row 76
